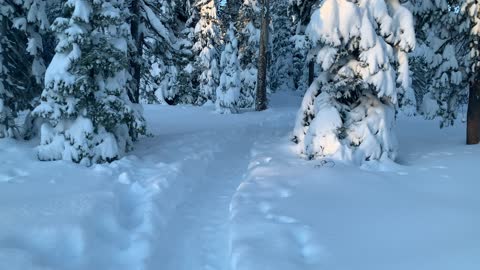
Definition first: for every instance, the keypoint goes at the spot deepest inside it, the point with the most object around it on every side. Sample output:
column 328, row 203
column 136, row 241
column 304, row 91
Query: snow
column 420, row 214
column 331, row 27
column 227, row 191
column 82, row 10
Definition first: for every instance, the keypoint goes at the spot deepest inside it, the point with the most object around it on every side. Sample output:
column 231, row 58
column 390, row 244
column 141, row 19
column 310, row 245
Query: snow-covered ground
column 218, row 192
column 422, row 214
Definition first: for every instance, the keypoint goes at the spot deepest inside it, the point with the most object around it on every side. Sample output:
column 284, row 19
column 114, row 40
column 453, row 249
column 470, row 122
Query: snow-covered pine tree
column 54, row 10
column 248, row 26
column 187, row 80
column 205, row 50
column 300, row 46
column 348, row 113
column 7, row 121
column 228, row 91
column 300, row 12
column 157, row 40
column 440, row 79
column 229, row 12
column 173, row 67
column 21, row 61
column 281, row 64
column 88, row 115
column 167, row 27
column 34, row 23
column 471, row 9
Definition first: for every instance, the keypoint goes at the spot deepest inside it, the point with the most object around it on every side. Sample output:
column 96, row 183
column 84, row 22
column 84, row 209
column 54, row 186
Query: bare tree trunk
column 473, row 114
column 138, row 54
column 311, row 72
column 261, row 96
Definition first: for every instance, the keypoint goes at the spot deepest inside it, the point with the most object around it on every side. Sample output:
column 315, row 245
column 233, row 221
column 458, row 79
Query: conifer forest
column 239, row 134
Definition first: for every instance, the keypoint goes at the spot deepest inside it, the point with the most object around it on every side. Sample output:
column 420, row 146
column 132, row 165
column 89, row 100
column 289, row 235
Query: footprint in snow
column 5, row 178
column 282, row 219
column 310, row 250
column 124, row 178
column 264, row 207
column 284, row 193
column 13, row 175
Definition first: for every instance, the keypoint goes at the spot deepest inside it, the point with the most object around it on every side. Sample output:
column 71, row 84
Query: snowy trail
column 164, row 206
column 196, row 237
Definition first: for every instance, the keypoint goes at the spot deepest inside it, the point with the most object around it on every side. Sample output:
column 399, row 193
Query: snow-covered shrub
column 228, row 92
column 362, row 50
column 89, row 117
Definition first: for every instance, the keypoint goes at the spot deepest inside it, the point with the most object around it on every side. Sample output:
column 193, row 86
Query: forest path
column 214, row 159
column 196, row 237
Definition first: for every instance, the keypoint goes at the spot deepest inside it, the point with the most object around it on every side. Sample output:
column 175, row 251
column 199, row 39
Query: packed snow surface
column 215, row 192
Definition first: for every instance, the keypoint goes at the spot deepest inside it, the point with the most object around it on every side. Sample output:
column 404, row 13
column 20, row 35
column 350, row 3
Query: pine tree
column 348, row 112
column 248, row 26
column 205, row 50
column 228, row 91
column 229, row 12
column 471, row 9
column 7, row 122
column 189, row 73
column 300, row 12
column 34, row 23
column 89, row 117
column 440, row 80
column 161, row 51
column 21, row 61
column 179, row 74
column 300, row 48
column 281, row 65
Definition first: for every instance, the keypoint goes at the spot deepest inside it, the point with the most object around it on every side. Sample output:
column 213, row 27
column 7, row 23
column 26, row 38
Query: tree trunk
column 311, row 72
column 136, row 58
column 261, row 96
column 473, row 114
